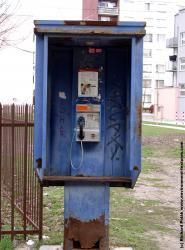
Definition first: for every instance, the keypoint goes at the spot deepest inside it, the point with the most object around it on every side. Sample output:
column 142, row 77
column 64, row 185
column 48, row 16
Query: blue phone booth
column 88, row 107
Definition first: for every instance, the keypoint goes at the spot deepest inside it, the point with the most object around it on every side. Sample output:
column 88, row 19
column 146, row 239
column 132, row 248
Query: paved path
column 164, row 126
column 147, row 117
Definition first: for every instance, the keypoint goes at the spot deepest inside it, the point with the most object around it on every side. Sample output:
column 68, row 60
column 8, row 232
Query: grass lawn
column 134, row 222
column 155, row 131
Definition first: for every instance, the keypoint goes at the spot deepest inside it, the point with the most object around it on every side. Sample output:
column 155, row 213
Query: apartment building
column 180, row 74
column 158, row 16
column 101, row 10
column 171, row 100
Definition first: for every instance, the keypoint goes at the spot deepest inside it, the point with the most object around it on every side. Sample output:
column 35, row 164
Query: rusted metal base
column 86, row 235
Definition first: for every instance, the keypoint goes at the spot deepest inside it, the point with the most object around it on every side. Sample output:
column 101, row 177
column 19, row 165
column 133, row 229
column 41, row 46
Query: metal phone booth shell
column 93, row 71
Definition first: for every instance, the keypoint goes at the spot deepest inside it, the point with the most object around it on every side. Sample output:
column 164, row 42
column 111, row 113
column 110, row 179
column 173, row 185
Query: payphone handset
column 87, row 128
column 87, row 125
column 88, row 122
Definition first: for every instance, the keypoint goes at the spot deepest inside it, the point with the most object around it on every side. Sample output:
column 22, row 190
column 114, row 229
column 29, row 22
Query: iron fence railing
column 20, row 191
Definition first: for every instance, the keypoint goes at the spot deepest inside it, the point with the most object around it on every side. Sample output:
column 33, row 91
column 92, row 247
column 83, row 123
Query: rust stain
column 140, row 32
column 136, row 168
column 87, row 234
column 139, row 118
column 91, row 23
column 39, row 162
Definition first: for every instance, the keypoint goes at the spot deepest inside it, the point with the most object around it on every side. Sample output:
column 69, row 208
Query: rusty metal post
column 0, row 165
column 12, row 166
column 25, row 166
column 86, row 216
column 40, row 211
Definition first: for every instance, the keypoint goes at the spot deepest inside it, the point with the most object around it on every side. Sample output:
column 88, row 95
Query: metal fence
column 21, row 195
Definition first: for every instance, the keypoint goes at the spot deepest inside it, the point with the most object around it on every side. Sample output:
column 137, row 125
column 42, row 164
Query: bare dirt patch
column 163, row 184
column 165, row 242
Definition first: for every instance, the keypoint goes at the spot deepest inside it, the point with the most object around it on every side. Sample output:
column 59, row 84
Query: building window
column 147, row 98
column 182, row 64
column 147, row 68
column 111, row 5
column 182, row 89
column 105, row 18
column 159, row 84
column 182, row 39
column 107, row 4
column 147, row 53
column 147, row 6
column 160, row 23
column 147, row 83
column 149, row 22
column 147, row 75
column 160, row 68
column 161, row 8
column 129, row 18
column 161, row 38
column 148, row 38
column 102, row 4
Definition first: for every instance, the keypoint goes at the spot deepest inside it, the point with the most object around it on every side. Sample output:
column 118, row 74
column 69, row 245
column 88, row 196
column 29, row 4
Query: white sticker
column 62, row 95
column 88, row 83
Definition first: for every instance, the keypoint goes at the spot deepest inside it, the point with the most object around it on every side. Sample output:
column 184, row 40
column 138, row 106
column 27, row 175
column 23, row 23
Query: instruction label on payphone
column 88, row 83
column 90, row 113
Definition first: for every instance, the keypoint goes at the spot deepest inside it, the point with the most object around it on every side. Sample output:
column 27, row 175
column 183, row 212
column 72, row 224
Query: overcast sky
column 16, row 66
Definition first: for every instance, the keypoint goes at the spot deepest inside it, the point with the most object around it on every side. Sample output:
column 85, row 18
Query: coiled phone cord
column 82, row 153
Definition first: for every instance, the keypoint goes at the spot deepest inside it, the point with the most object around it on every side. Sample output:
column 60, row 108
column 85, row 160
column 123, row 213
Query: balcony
column 172, row 42
column 108, row 11
column 147, row 75
column 173, row 58
column 171, row 67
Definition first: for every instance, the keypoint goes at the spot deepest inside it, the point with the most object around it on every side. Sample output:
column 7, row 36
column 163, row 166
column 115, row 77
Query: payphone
column 88, row 90
column 88, row 122
column 88, row 115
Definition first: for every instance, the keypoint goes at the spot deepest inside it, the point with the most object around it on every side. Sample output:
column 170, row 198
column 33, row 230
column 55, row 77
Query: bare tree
column 8, row 21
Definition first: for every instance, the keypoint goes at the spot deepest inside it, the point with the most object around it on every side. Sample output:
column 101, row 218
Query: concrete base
column 122, row 248
column 60, row 247
column 47, row 247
